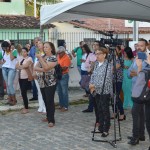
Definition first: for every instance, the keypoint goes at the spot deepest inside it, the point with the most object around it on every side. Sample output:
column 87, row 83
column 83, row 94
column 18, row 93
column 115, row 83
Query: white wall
column 71, row 35
column 67, row 27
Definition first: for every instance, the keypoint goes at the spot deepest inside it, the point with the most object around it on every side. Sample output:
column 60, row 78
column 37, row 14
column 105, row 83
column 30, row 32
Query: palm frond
column 29, row 5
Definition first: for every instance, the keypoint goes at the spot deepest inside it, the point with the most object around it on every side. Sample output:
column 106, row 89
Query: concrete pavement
column 71, row 132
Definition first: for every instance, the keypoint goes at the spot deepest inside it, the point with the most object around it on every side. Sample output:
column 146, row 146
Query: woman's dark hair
column 129, row 52
column 87, row 49
column 100, row 43
column 119, row 48
column 19, row 48
column 5, row 44
column 52, row 47
column 25, row 49
column 81, row 42
column 144, row 40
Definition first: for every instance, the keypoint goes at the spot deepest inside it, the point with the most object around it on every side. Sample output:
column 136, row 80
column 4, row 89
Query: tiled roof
column 20, row 22
column 107, row 24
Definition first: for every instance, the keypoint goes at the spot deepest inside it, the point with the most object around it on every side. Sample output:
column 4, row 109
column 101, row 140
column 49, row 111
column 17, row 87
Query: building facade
column 12, row 7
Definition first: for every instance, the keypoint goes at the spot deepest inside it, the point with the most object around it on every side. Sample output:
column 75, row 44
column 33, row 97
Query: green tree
column 29, row 5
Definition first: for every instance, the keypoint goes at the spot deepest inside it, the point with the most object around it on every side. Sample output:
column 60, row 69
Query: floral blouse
column 120, row 70
column 46, row 79
column 97, row 78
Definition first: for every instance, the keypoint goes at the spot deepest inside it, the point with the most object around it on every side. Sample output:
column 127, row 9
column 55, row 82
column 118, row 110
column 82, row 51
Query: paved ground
column 72, row 132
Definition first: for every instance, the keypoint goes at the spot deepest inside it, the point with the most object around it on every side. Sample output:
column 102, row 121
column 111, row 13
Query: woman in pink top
column 23, row 65
column 92, row 57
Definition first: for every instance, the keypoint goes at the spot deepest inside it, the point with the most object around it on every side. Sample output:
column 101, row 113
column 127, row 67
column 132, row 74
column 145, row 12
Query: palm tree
column 29, row 5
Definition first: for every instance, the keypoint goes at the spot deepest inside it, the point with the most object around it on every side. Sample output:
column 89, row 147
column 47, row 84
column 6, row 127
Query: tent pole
column 41, row 32
column 135, row 30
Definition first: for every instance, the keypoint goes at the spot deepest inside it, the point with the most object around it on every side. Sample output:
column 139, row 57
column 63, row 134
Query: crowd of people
column 36, row 67
column 102, row 82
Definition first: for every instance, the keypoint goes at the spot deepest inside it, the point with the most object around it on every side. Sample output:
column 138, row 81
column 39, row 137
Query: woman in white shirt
column 9, row 60
column 85, row 78
column 86, row 52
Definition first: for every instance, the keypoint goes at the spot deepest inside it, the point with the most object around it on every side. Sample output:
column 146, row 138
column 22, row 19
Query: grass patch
column 78, row 102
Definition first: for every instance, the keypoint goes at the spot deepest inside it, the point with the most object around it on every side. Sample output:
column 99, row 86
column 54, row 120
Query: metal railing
column 72, row 39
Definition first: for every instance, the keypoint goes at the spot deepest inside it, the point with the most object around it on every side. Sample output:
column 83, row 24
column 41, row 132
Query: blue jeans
column 119, row 103
column 34, row 89
column 62, row 89
column 79, row 69
column 84, row 72
column 9, row 76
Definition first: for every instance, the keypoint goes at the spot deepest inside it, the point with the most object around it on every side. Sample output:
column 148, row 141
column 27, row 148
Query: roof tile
column 20, row 22
column 107, row 24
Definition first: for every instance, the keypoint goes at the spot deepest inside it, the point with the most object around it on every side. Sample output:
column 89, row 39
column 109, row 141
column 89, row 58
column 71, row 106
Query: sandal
column 24, row 111
column 45, row 120
column 63, row 109
column 51, row 124
column 86, row 95
column 104, row 134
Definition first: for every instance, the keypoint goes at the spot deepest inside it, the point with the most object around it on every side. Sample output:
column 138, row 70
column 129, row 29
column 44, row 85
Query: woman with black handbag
column 101, row 87
column 45, row 72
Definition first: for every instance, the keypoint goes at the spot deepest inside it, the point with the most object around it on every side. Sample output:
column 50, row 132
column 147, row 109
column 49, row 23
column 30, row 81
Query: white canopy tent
column 77, row 9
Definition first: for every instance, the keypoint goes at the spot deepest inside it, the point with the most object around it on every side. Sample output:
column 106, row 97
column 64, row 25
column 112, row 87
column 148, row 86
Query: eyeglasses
column 98, row 53
column 59, row 52
column 96, row 44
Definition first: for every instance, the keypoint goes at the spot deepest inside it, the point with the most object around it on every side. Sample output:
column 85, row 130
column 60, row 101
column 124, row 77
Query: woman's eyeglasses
column 98, row 53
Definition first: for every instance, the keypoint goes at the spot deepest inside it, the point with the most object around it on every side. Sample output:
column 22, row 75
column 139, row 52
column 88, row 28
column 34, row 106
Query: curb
column 8, row 108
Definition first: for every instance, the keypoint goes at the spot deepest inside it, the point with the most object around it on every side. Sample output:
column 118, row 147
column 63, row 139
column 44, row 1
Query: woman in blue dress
column 127, row 82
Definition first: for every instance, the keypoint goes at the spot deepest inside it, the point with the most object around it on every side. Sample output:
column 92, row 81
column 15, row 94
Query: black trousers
column 138, row 120
column 24, row 87
column 90, row 107
column 147, row 116
column 102, row 102
column 48, row 94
